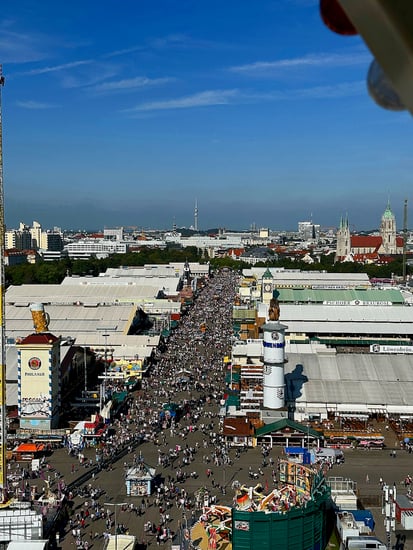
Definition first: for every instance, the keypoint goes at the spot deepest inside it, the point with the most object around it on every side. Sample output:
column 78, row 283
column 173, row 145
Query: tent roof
column 286, row 423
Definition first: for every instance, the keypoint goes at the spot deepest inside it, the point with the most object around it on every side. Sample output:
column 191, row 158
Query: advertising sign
column 377, row 348
column 35, row 399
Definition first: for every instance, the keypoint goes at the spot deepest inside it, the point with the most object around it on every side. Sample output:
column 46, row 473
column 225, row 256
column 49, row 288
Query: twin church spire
column 388, row 245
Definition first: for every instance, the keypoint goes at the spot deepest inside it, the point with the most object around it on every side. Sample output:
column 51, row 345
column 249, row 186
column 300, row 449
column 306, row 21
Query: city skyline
column 253, row 228
column 127, row 116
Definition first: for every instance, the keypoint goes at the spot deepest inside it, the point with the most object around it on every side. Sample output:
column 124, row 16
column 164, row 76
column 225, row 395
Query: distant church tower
column 196, row 216
column 343, row 240
column 388, row 231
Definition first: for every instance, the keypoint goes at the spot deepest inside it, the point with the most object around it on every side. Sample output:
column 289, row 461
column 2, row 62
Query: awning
column 56, row 439
column 352, row 408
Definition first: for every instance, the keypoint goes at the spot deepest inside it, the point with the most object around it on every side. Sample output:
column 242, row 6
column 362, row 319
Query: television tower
column 196, row 216
column 3, row 404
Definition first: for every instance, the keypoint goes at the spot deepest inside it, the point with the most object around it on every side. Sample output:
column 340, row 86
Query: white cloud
column 123, row 51
column 225, row 97
column 19, row 47
column 155, row 44
column 89, row 76
column 342, row 89
column 56, row 68
column 261, row 68
column 131, row 83
column 202, row 99
column 34, row 105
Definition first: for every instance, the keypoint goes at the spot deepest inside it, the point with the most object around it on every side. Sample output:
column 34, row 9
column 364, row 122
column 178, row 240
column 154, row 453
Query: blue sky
column 127, row 112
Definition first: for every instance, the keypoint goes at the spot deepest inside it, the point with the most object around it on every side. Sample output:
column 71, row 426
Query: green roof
column 286, row 423
column 303, row 295
column 233, row 400
column 267, row 274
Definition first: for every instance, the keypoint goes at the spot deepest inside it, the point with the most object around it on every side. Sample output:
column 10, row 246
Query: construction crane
column 405, row 242
column 3, row 404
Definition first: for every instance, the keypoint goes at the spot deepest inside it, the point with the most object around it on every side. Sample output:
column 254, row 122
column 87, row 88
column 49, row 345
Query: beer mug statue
column 40, row 318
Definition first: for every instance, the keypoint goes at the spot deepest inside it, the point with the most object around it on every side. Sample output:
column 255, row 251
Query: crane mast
column 404, row 241
column 3, row 404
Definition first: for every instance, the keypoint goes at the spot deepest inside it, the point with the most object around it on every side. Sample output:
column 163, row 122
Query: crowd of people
column 177, row 412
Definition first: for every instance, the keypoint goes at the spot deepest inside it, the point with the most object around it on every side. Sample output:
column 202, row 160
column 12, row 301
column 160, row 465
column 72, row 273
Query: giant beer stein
column 40, row 318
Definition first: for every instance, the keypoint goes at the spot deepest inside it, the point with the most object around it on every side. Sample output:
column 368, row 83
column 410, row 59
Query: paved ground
column 204, row 359
column 358, row 465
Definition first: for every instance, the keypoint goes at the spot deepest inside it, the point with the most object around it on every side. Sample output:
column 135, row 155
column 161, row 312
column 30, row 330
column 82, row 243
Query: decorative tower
column 39, row 375
column 267, row 287
column 343, row 240
column 388, row 231
column 187, row 274
column 274, row 358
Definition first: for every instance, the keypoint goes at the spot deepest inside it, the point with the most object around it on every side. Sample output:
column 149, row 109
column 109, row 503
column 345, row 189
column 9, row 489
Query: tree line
column 54, row 272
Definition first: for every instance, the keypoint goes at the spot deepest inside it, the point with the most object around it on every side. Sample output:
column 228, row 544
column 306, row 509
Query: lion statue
column 274, row 310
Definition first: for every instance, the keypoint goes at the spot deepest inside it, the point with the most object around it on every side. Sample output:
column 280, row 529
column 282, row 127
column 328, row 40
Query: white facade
column 39, row 381
column 113, row 234
column 36, row 233
column 21, row 239
column 308, row 230
column 22, row 524
column 85, row 248
column 206, row 242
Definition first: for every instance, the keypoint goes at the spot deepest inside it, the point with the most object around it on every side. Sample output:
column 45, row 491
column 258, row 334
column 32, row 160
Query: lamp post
column 184, row 530
column 106, row 364
column 389, row 499
column 84, row 362
column 115, row 505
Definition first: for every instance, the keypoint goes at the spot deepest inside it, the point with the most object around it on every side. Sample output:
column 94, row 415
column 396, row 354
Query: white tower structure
column 274, row 359
column 196, row 216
